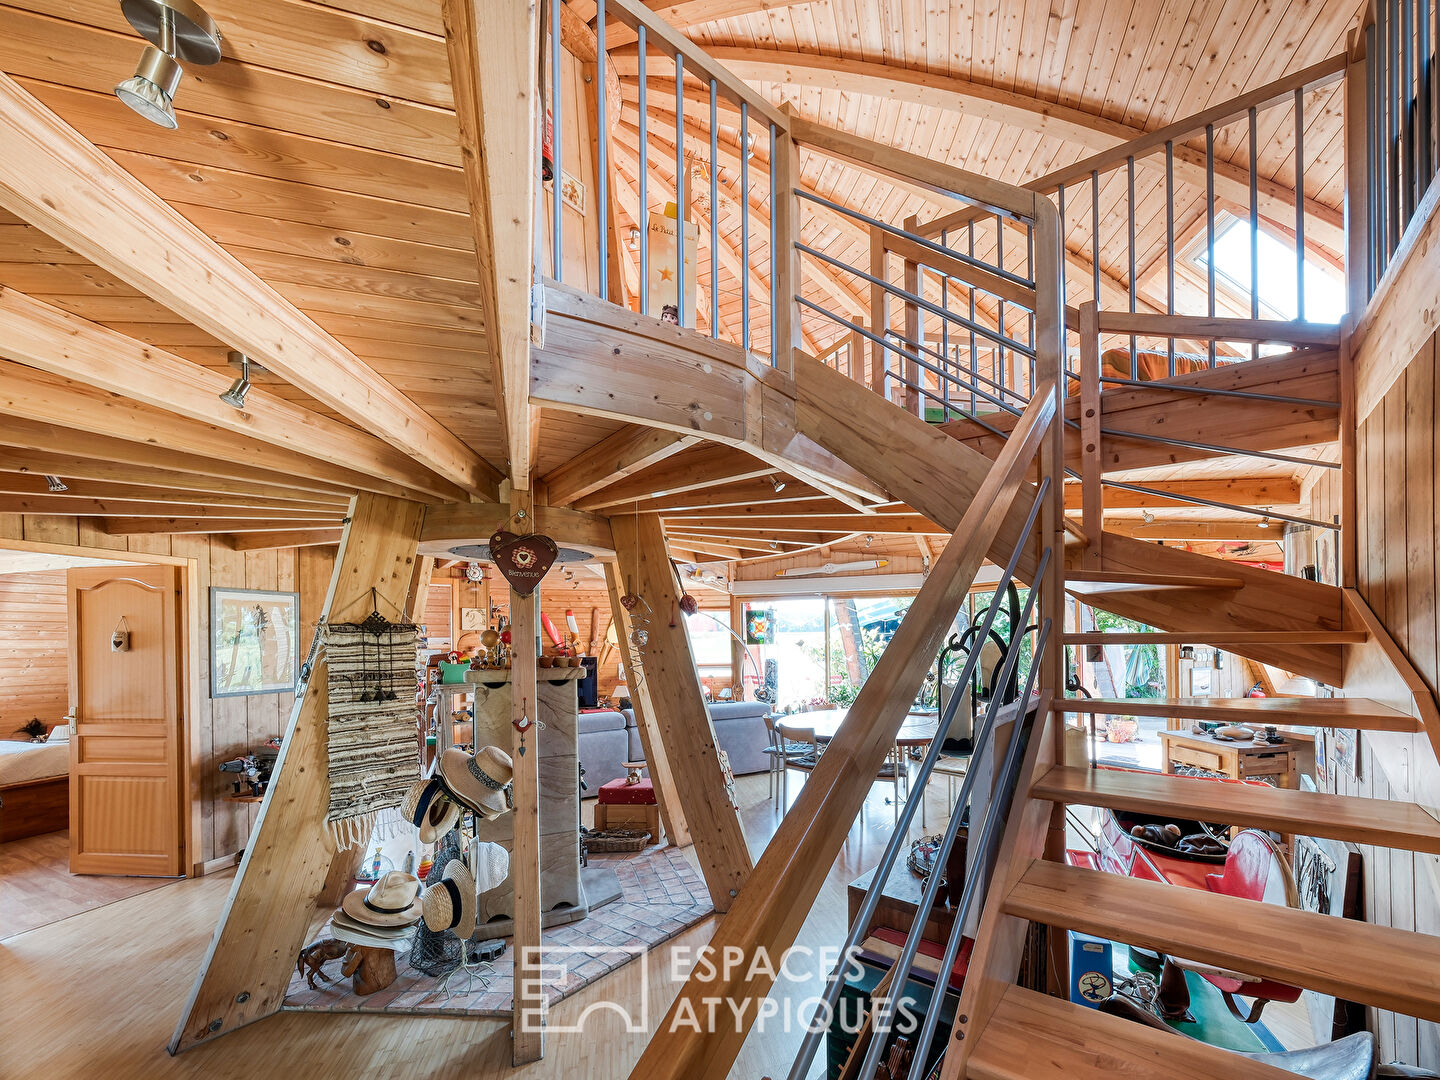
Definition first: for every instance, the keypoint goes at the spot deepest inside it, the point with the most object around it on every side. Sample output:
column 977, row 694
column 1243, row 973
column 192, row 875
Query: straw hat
column 351, row 932
column 480, row 781
column 427, row 808
column 391, row 901
column 450, row 904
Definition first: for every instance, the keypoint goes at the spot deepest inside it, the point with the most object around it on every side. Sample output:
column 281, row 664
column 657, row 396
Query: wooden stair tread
column 1032, row 1036
column 1293, row 711
column 1382, row 822
column 1374, row 965
column 1094, row 582
column 1221, row 637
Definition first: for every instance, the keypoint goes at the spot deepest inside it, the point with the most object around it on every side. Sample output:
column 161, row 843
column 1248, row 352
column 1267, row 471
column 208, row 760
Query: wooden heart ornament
column 522, row 560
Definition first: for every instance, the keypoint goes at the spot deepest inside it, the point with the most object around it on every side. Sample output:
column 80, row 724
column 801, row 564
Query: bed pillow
column 61, row 733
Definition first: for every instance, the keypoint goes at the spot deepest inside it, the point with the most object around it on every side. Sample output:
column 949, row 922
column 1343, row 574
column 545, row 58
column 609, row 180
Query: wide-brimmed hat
column 391, row 901
column 427, row 808
column 351, row 932
column 450, row 904
column 480, row 781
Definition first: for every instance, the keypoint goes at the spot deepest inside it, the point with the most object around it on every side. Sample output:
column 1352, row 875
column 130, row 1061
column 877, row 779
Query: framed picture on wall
column 254, row 641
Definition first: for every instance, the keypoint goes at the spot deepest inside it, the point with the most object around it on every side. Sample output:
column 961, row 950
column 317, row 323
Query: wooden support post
column 1357, row 175
column 666, row 668
column 662, row 776
column 786, row 262
column 247, row 969
column 419, row 590
column 1091, row 494
column 767, row 917
column 1049, row 273
column 527, row 1024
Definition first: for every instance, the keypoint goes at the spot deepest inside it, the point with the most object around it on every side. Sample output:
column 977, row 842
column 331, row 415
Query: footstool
column 623, row 805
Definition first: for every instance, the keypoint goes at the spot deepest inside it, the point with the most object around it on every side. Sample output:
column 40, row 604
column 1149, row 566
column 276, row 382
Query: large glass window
column 860, row 629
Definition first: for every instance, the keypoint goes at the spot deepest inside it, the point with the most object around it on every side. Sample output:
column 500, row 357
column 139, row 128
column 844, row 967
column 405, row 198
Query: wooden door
column 126, row 735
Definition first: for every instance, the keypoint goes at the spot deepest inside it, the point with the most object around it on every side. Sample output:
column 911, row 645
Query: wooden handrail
column 697, row 61
column 768, row 914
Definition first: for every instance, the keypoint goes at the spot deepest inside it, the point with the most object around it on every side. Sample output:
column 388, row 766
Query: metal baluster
column 744, row 226
column 1372, row 151
column 557, row 144
column 1064, row 247
column 1299, row 204
column 1392, row 141
column 714, row 218
column 1427, row 100
column 602, row 144
column 945, row 328
column 774, row 252
column 682, row 204
column 1407, row 122
column 1210, row 228
column 1254, row 229
column 974, row 360
column 1130, row 242
column 644, row 184
column 1000, row 306
column 1170, row 241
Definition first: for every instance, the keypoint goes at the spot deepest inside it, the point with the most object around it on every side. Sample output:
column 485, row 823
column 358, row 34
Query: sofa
column 608, row 739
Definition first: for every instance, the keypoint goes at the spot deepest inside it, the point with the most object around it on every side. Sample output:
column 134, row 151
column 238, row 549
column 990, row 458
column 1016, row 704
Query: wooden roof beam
column 28, row 394
column 33, row 483
column 696, row 469
column 264, row 541
column 629, row 450
column 495, row 105
column 67, row 506
column 53, row 178
column 1258, row 491
column 45, row 337
column 230, row 484
column 121, row 526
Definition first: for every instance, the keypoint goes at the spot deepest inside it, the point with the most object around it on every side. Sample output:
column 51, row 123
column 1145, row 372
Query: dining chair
column 797, row 748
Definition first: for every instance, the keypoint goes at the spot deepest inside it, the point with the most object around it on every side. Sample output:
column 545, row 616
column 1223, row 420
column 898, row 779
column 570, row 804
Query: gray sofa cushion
column 604, row 720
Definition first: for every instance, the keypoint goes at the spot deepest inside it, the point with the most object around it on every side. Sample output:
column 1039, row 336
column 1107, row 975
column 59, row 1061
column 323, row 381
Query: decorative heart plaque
column 629, row 601
column 522, row 560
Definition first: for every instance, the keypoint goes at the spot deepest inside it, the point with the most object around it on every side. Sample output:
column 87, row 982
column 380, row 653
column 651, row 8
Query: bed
column 34, row 787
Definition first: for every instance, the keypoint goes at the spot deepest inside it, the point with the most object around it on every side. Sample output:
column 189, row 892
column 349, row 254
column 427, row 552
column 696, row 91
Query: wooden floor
column 99, row 995
column 37, row 888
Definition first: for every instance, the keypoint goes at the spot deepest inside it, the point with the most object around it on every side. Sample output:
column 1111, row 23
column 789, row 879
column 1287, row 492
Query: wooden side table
column 1238, row 760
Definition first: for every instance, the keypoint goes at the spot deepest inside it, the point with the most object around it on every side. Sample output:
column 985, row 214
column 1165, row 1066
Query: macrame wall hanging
column 371, row 723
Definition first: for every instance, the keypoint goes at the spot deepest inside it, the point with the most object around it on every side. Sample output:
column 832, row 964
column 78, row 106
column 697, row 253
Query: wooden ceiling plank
column 31, row 45
column 34, row 483
column 67, row 506
column 264, row 541
column 56, row 180
column 123, row 526
column 494, row 82
column 51, row 340
column 630, row 450
column 695, row 469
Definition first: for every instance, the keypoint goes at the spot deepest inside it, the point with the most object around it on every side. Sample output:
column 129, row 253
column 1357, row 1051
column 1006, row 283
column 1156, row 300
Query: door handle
column 71, row 721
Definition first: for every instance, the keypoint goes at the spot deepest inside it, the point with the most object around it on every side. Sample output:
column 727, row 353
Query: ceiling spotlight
column 55, row 484
column 177, row 30
column 1148, row 517
column 777, row 484
column 750, row 144
column 869, row 540
column 1265, row 521
column 235, row 396
column 634, row 242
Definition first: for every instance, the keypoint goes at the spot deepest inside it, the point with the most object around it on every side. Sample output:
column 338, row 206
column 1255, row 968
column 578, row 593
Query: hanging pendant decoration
column 522, row 560
column 523, row 724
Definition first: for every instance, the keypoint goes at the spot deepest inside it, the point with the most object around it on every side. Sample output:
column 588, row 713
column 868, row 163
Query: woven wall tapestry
column 371, row 726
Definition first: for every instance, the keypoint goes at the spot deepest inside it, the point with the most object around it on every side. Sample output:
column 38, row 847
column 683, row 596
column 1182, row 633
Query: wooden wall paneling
column 33, row 646
column 1419, row 512
column 1396, row 591
column 667, row 669
column 247, row 968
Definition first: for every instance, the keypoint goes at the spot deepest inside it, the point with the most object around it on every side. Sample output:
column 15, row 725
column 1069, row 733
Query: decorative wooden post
column 662, row 777
column 247, row 969
column 667, row 670
column 527, row 1023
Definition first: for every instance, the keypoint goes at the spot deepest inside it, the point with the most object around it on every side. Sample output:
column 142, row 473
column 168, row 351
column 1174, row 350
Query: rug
column 662, row 895
column 370, row 729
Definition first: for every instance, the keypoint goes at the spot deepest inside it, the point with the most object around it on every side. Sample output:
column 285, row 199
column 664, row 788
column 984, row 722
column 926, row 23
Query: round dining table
column 919, row 728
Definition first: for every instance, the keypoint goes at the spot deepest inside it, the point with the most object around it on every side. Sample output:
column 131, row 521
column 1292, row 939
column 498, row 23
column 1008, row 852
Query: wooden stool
column 623, row 805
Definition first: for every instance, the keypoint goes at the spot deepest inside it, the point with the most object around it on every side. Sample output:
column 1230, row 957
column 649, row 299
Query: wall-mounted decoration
column 120, row 637
column 572, row 191
column 254, row 641
column 472, row 618
column 759, row 626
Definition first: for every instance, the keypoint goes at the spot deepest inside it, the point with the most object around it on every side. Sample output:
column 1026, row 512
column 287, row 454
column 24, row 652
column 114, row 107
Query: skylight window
column 1325, row 299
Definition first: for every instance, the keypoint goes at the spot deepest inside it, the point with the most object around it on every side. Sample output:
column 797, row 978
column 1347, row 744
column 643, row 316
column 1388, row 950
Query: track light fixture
column 55, row 484
column 177, row 30
column 777, row 483
column 235, row 396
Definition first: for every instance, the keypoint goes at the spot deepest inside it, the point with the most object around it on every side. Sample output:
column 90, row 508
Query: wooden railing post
column 879, row 313
column 914, row 332
column 1092, row 512
column 1357, row 175
column 785, row 260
